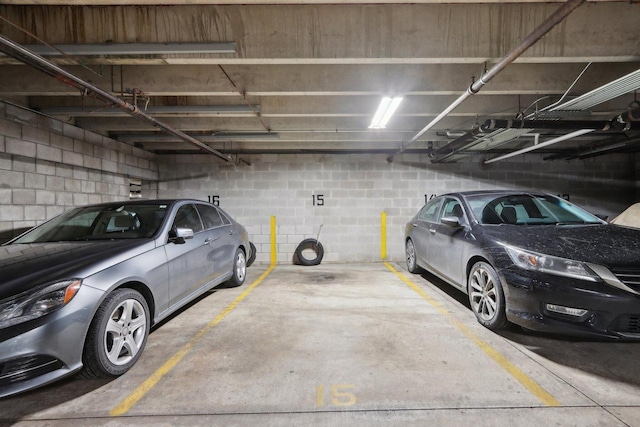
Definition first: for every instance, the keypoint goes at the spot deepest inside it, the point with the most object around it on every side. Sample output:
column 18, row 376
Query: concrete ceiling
column 311, row 73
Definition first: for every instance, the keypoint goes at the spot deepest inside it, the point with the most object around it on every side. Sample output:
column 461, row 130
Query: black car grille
column 631, row 278
column 26, row 368
column 626, row 324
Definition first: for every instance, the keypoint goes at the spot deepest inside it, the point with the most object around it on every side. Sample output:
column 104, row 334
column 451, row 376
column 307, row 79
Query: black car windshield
column 527, row 209
column 102, row 222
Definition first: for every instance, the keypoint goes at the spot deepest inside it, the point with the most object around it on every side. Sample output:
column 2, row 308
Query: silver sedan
column 81, row 291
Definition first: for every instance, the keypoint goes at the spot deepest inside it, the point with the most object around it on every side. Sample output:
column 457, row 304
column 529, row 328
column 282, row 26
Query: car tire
column 239, row 274
column 486, row 296
column 315, row 246
column 254, row 253
column 117, row 335
column 410, row 252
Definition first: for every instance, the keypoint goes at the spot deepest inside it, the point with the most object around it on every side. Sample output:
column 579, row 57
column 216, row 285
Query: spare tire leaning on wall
column 309, row 245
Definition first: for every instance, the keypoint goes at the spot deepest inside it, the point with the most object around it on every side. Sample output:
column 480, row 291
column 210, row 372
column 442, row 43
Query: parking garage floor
column 353, row 345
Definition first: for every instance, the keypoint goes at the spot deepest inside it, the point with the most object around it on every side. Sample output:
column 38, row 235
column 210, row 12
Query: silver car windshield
column 527, row 209
column 127, row 221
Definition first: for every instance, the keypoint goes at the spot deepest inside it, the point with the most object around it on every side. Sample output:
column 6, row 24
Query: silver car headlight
column 31, row 305
column 550, row 264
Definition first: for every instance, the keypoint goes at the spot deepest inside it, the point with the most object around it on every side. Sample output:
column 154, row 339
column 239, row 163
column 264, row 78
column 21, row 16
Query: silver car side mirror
column 181, row 235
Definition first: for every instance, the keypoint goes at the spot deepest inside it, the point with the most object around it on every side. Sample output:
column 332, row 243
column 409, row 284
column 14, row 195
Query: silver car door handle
column 414, row 225
column 432, row 230
column 208, row 240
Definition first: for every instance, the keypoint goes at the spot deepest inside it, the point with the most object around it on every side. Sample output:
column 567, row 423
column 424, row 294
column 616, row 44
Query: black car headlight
column 31, row 305
column 550, row 264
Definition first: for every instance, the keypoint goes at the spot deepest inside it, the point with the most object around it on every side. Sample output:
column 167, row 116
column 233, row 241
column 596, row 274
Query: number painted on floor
column 340, row 395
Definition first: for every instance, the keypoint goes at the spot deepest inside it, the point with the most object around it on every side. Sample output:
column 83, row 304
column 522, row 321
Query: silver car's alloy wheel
column 117, row 334
column 239, row 272
column 240, row 266
column 125, row 332
column 483, row 294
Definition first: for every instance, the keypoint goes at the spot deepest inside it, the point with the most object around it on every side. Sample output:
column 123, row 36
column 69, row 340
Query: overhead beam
column 125, row 49
column 319, row 80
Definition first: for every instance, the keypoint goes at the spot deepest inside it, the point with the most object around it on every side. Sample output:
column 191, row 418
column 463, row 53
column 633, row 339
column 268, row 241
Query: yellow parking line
column 535, row 388
column 124, row 406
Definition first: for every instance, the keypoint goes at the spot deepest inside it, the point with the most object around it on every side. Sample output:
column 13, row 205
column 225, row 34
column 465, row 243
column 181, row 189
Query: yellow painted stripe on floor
column 544, row 396
column 150, row 382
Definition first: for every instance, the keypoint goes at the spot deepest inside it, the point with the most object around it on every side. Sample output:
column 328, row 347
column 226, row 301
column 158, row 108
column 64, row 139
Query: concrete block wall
column 357, row 188
column 47, row 167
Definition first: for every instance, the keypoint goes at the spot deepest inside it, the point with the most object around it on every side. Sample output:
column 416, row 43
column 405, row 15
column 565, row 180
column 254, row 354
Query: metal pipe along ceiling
column 529, row 41
column 18, row 52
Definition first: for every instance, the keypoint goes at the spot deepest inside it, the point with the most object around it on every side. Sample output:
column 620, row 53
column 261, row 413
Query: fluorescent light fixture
column 541, row 145
column 132, row 49
column 385, row 110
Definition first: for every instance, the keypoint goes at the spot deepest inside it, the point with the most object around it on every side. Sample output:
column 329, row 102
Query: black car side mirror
column 450, row 221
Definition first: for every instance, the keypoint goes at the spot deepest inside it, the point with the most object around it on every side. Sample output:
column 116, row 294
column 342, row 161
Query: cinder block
column 10, row 128
column 61, row 142
column 11, row 179
column 45, row 197
column 80, row 199
column 35, row 213
column 55, row 183
column 34, row 134
column 11, row 213
column 47, row 153
column 71, row 158
column 5, row 196
column 35, row 180
column 20, row 147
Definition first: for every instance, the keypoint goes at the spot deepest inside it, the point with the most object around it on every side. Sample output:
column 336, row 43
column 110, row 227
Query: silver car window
column 187, row 217
column 210, row 216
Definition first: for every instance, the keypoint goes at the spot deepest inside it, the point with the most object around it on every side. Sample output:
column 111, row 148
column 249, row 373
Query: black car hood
column 27, row 266
column 604, row 244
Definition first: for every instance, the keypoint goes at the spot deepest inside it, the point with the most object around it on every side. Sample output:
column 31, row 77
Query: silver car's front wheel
column 125, row 332
column 117, row 335
column 486, row 296
column 239, row 274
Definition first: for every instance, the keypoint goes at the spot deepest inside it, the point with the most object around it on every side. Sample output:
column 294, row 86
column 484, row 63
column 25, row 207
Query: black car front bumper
column 611, row 312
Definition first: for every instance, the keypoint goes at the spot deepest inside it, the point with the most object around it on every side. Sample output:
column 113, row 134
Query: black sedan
column 81, row 291
column 531, row 259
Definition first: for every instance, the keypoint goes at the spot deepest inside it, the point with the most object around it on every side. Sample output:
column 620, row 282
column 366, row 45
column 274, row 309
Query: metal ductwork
column 553, row 20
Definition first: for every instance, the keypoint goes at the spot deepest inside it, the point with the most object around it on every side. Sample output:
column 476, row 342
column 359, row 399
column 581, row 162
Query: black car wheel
column 486, row 296
column 239, row 269
column 410, row 252
column 117, row 335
